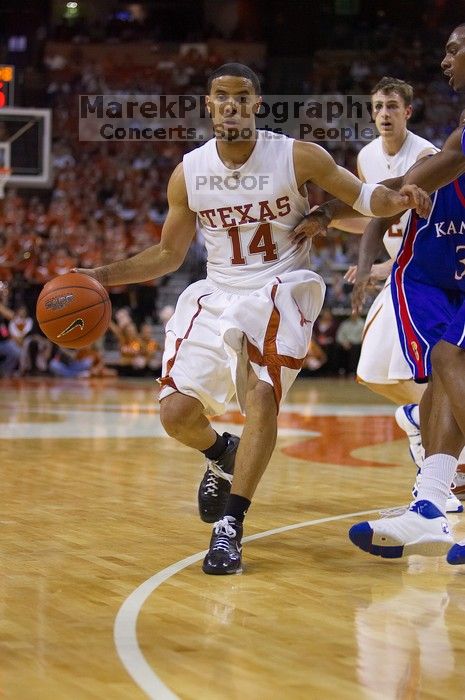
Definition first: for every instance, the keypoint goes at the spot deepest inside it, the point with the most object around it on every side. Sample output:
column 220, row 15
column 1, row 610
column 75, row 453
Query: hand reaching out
column 416, row 198
column 314, row 224
column 379, row 272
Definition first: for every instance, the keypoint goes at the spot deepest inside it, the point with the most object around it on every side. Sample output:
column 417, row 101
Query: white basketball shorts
column 382, row 360
column 214, row 334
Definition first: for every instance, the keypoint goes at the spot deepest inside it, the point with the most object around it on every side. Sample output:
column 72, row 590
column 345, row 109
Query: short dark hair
column 388, row 84
column 237, row 70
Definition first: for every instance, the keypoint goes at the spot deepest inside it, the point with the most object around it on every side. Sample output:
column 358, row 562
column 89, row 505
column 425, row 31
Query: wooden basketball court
column 102, row 595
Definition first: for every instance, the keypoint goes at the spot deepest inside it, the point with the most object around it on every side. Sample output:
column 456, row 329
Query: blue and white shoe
column 422, row 529
column 456, row 554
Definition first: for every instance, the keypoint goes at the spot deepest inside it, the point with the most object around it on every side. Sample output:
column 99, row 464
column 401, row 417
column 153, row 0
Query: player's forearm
column 382, row 270
column 371, row 245
column 386, row 202
column 438, row 170
column 447, row 168
column 151, row 263
column 383, row 202
column 338, row 211
column 352, row 225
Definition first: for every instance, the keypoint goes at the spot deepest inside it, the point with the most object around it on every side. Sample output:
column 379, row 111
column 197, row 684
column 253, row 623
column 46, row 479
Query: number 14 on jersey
column 261, row 243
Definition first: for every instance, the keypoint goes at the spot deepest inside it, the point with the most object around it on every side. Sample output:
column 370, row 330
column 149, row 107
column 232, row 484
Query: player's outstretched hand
column 351, row 274
column 314, row 224
column 359, row 293
column 416, row 198
column 379, row 272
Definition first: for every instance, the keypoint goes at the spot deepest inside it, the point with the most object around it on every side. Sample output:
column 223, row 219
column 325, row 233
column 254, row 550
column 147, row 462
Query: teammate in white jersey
column 382, row 366
column 246, row 328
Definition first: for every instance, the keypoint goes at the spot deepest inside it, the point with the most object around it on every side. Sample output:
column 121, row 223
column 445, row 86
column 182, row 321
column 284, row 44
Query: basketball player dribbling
column 246, row 328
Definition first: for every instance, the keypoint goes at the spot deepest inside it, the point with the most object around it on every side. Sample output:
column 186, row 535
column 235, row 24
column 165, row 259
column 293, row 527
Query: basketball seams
column 98, row 291
column 70, row 291
column 73, row 313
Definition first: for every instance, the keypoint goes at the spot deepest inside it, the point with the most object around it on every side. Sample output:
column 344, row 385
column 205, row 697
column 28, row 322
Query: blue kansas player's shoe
column 456, row 554
column 422, row 529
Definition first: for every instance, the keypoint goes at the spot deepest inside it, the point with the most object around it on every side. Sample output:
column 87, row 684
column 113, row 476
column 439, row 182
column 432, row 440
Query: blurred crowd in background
column 108, row 200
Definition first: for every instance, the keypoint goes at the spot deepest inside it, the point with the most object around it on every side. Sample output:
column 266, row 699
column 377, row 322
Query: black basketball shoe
column 225, row 553
column 216, row 483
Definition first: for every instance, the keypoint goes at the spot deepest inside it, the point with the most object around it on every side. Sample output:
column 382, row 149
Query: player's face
column 232, row 104
column 453, row 63
column 390, row 113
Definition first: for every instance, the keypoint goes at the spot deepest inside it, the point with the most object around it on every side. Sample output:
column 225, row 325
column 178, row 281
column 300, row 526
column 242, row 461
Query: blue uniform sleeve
column 463, row 141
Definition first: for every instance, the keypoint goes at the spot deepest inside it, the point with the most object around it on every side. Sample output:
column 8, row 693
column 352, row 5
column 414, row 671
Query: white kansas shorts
column 213, row 334
column 382, row 360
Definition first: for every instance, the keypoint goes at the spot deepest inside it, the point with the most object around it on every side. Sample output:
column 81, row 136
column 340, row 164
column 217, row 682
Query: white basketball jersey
column 246, row 214
column 375, row 166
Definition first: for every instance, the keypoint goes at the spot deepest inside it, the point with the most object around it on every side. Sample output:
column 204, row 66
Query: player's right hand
column 413, row 197
column 314, row 224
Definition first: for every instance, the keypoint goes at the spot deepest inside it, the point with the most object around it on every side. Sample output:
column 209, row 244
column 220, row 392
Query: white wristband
column 363, row 202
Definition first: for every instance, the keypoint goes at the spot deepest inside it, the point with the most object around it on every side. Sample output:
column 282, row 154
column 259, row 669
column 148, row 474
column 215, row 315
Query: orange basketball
column 73, row 310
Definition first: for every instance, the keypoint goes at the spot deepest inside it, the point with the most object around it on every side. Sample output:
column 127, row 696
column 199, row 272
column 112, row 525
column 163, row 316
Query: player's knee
column 178, row 413
column 262, row 395
column 444, row 356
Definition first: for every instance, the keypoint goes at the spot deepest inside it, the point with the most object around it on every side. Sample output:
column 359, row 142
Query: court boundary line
column 125, row 626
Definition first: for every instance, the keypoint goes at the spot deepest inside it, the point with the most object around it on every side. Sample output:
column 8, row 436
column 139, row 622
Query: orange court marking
column 339, row 436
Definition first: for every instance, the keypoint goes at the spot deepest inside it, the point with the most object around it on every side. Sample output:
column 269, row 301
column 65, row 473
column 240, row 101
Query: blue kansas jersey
column 428, row 279
column 433, row 250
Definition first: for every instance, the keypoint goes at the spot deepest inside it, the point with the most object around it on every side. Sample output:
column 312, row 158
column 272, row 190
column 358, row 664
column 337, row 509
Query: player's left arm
column 313, row 164
column 379, row 271
column 338, row 214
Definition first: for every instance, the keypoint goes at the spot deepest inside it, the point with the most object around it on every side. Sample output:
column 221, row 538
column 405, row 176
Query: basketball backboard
column 25, row 139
